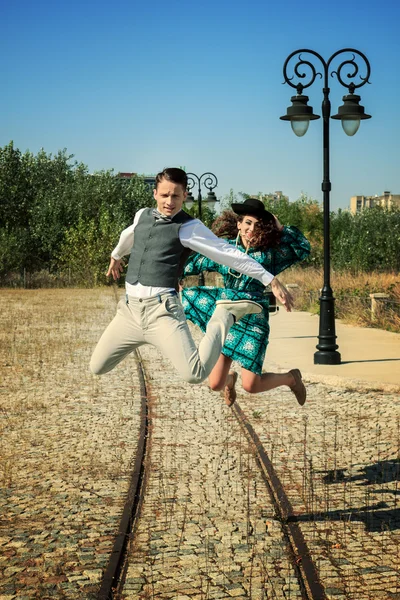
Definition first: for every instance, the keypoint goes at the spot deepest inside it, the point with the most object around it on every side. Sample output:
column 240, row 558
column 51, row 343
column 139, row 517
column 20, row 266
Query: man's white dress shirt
column 194, row 235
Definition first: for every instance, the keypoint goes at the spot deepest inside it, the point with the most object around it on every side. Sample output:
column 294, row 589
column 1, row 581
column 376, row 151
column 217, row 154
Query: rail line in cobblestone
column 304, row 566
column 113, row 580
column 114, row 568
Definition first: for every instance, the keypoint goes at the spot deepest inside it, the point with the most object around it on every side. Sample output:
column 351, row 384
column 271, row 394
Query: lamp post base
column 327, row 357
column 327, row 353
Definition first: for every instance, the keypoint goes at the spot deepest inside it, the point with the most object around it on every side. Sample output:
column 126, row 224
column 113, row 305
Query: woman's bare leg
column 222, row 378
column 254, row 384
column 219, row 375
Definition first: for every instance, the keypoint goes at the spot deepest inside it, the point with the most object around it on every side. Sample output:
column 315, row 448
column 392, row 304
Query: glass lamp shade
column 189, row 201
column 351, row 113
column 300, row 127
column 350, row 126
column 299, row 114
column 211, row 200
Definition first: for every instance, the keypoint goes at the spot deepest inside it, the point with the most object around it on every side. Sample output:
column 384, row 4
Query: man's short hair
column 173, row 174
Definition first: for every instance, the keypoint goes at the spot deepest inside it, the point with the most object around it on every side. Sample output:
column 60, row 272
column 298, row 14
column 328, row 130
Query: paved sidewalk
column 370, row 357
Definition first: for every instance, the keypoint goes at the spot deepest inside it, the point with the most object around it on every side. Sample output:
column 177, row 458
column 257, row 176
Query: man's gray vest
column 157, row 257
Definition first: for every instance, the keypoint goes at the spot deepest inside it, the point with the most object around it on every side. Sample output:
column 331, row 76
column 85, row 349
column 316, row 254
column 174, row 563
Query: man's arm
column 123, row 248
column 198, row 237
column 115, row 268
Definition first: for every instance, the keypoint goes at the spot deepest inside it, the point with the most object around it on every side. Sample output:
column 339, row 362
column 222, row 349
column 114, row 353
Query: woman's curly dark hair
column 266, row 233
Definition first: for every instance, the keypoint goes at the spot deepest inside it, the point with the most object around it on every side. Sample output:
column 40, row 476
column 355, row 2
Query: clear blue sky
column 140, row 85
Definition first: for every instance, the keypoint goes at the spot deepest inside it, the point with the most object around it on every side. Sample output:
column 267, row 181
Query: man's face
column 169, row 197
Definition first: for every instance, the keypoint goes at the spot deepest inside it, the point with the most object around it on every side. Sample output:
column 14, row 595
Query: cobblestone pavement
column 207, row 528
column 338, row 458
column 66, row 444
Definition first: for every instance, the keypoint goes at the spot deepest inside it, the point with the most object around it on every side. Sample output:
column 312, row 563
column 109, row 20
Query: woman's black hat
column 252, row 206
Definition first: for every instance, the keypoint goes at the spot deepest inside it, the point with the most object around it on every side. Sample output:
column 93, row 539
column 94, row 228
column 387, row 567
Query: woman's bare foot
column 298, row 388
column 229, row 390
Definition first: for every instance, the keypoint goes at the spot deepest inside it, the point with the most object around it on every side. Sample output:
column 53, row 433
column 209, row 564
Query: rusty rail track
column 112, row 582
column 306, row 571
column 130, row 513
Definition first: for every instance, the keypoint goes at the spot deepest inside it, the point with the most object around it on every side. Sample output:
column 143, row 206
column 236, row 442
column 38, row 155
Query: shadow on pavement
column 383, row 471
column 376, row 517
column 372, row 360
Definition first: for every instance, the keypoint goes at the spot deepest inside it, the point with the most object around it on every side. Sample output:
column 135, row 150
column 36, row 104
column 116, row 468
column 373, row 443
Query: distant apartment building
column 274, row 196
column 149, row 179
column 387, row 200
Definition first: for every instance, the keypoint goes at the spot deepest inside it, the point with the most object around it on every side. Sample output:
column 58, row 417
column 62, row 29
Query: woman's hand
column 277, row 223
column 282, row 294
column 115, row 268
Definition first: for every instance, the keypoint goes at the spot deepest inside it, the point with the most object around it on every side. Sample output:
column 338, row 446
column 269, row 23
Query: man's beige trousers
column 161, row 321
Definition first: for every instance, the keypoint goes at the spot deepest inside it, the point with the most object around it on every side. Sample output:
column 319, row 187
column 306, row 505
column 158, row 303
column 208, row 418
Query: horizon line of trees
column 56, row 216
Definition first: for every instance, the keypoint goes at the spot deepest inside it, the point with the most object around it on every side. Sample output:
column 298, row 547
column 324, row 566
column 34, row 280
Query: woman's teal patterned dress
column 248, row 338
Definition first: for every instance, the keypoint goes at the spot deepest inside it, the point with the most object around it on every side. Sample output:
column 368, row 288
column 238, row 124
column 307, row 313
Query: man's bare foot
column 229, row 390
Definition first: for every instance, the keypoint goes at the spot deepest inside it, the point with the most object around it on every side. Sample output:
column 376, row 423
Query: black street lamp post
column 210, row 182
column 300, row 115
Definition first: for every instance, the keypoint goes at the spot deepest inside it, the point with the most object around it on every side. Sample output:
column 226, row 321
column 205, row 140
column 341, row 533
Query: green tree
column 207, row 215
column 86, row 250
column 226, row 201
column 43, row 197
column 368, row 241
column 110, row 205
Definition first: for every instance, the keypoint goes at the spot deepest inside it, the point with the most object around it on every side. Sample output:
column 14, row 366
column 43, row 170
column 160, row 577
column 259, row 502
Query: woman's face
column 246, row 229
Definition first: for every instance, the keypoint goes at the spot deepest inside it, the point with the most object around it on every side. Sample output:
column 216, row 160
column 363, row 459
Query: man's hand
column 282, row 294
column 115, row 269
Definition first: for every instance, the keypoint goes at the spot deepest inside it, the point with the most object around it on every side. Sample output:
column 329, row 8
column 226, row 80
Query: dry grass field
column 351, row 292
